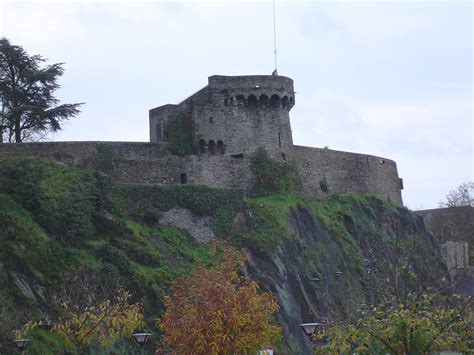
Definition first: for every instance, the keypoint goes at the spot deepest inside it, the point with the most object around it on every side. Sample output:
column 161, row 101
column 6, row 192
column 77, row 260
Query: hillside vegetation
column 60, row 225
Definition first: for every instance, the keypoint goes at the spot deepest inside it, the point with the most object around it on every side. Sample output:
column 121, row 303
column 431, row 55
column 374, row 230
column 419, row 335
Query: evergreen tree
column 29, row 109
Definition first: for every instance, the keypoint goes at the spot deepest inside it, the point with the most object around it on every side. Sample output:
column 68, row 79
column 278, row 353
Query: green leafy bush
column 272, row 177
column 138, row 201
column 62, row 199
column 178, row 133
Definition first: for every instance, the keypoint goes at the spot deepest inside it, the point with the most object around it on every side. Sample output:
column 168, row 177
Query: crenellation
column 231, row 119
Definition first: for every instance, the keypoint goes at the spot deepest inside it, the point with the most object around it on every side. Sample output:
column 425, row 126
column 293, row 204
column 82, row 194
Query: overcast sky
column 393, row 79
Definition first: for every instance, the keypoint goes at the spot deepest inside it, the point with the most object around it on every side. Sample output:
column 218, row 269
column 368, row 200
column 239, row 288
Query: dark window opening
column 226, row 102
column 275, row 101
column 202, row 145
column 240, row 100
column 283, row 156
column 264, row 100
column 220, row 147
column 252, row 100
column 240, row 155
column 401, row 183
column 184, row 178
column 292, row 101
column 284, row 102
column 279, row 140
column 211, row 120
column 212, row 147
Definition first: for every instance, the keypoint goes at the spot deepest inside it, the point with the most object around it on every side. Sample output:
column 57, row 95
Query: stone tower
column 236, row 115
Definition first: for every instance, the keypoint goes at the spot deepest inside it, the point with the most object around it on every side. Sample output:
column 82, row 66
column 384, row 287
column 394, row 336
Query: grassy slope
column 54, row 220
column 50, row 227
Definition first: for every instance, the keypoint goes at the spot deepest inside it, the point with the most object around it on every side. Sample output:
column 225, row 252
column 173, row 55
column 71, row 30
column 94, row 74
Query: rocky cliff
column 59, row 223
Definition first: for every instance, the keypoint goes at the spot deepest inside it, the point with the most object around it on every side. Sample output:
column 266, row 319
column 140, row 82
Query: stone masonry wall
column 346, row 172
column 149, row 163
column 81, row 152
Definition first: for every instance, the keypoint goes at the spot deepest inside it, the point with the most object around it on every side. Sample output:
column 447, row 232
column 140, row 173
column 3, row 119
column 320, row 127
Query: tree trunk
column 17, row 132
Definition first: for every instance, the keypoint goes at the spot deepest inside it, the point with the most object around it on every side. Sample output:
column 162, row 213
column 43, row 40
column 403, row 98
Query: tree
column 422, row 324
column 411, row 314
column 462, row 196
column 28, row 106
column 93, row 311
column 218, row 311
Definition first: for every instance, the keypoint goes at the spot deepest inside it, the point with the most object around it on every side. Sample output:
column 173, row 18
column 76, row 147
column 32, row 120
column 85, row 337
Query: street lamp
column 21, row 344
column 325, row 279
column 141, row 339
column 310, row 329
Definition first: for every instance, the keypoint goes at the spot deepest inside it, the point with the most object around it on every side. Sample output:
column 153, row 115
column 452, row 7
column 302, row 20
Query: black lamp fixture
column 310, row 329
column 21, row 344
column 141, row 339
column 324, row 278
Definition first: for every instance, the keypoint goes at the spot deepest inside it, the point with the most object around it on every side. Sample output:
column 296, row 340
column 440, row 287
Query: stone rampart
column 81, row 152
column 342, row 172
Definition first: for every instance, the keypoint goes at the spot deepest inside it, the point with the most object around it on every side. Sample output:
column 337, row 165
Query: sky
column 393, row 79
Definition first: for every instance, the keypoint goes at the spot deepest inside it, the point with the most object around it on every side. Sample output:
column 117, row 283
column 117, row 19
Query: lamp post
column 369, row 269
column 325, row 279
column 21, row 344
column 310, row 329
column 141, row 339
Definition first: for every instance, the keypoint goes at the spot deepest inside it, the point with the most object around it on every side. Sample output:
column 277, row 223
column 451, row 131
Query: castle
column 230, row 119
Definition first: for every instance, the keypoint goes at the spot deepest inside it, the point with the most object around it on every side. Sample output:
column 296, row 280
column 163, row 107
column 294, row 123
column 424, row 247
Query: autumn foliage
column 219, row 311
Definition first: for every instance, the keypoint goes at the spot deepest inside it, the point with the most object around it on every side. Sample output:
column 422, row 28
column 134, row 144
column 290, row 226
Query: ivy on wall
column 178, row 132
column 271, row 176
column 144, row 202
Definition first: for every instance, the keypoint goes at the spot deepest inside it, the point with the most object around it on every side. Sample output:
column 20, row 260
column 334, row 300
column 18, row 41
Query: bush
column 271, row 177
column 178, row 132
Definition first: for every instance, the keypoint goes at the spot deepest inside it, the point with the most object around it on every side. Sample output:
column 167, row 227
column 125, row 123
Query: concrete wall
column 346, row 172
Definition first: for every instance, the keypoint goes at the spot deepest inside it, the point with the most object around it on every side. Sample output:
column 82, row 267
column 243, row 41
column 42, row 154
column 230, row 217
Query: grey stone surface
column 183, row 218
column 232, row 117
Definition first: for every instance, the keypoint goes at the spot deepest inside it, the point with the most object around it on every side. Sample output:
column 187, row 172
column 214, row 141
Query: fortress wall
column 81, row 152
column 214, row 171
column 346, row 172
column 223, row 82
column 157, row 118
column 239, row 112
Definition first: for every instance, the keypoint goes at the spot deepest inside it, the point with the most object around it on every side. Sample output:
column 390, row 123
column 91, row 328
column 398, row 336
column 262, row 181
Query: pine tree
column 29, row 109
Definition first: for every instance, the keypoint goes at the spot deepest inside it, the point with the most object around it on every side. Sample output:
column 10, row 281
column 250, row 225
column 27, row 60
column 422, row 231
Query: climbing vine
column 271, row 176
column 178, row 132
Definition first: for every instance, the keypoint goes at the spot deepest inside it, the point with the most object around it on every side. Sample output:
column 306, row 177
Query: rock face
column 320, row 242
column 197, row 227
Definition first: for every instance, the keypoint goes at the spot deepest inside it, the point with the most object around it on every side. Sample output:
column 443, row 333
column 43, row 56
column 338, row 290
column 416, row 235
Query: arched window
column 202, row 145
column 284, row 102
column 211, row 120
column 240, row 100
column 263, row 100
column 275, row 101
column 212, row 147
column 220, row 147
column 252, row 100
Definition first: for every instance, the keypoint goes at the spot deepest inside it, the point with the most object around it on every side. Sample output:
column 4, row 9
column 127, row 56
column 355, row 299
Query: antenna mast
column 274, row 36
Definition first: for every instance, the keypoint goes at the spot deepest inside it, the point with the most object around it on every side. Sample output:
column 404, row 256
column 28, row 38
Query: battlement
column 259, row 91
column 227, row 121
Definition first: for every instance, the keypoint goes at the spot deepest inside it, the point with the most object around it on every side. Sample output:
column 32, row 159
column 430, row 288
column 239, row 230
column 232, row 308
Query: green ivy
column 272, row 177
column 143, row 202
column 178, row 133
column 105, row 158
